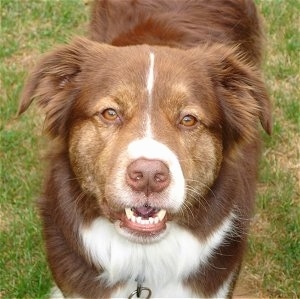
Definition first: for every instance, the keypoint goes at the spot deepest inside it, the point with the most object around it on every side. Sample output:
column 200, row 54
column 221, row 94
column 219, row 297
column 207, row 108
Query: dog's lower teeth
column 151, row 220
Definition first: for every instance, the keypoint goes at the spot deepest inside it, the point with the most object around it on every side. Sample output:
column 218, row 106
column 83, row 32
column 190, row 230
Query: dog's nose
column 148, row 176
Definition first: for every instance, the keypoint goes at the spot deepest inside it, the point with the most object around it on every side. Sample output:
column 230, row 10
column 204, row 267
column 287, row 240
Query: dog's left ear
column 241, row 94
column 53, row 82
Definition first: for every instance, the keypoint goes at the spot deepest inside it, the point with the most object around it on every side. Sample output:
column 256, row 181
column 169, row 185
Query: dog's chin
column 143, row 228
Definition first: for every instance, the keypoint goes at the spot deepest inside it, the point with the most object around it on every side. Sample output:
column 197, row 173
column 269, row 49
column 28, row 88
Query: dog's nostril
column 135, row 175
column 148, row 176
column 160, row 177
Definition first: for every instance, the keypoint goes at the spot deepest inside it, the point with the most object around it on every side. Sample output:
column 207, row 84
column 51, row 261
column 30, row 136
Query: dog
column 153, row 121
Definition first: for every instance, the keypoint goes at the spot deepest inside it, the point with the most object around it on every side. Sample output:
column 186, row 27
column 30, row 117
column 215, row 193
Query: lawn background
column 31, row 27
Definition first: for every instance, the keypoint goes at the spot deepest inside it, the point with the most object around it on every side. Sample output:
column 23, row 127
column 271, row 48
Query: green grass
column 273, row 263
column 29, row 28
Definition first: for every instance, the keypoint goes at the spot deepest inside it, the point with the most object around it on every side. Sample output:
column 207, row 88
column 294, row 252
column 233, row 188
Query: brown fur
column 212, row 65
column 180, row 24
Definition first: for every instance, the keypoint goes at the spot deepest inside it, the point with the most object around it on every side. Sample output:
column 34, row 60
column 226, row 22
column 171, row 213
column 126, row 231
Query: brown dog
column 152, row 171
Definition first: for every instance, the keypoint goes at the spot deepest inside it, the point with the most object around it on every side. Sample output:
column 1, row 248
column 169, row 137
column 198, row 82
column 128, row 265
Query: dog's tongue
column 144, row 211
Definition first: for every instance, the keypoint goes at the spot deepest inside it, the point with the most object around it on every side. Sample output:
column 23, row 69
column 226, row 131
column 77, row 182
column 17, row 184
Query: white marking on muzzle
column 148, row 148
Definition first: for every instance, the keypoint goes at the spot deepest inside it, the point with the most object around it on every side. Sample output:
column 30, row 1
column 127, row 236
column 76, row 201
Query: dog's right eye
column 110, row 114
column 188, row 121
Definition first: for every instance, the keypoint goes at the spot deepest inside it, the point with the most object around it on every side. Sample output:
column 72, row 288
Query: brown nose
column 148, row 176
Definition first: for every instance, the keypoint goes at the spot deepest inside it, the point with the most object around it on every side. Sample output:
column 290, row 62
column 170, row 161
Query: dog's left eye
column 188, row 121
column 110, row 114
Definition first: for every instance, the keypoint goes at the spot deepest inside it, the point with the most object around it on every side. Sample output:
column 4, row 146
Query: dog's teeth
column 161, row 214
column 151, row 220
column 129, row 213
column 145, row 221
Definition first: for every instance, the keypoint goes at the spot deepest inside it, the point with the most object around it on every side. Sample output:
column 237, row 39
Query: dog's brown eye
column 189, row 121
column 110, row 114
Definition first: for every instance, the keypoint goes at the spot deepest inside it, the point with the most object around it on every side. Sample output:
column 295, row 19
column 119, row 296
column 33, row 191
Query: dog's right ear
column 52, row 83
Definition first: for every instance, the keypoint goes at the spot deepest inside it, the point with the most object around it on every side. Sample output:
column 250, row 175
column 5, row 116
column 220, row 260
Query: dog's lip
column 144, row 220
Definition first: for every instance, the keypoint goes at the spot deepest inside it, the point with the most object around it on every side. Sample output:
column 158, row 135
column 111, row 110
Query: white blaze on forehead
column 149, row 84
column 150, row 77
column 148, row 132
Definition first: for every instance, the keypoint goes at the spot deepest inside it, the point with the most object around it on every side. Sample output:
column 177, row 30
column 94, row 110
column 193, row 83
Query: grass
column 29, row 28
column 272, row 268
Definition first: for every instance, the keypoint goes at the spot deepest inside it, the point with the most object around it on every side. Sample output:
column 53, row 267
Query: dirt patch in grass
column 4, row 221
column 24, row 60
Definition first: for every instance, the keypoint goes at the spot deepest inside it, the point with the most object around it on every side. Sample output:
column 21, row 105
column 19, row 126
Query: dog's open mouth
column 144, row 220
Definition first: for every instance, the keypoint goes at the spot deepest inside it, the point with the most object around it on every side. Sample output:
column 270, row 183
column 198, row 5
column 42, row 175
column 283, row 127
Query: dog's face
column 147, row 128
column 134, row 141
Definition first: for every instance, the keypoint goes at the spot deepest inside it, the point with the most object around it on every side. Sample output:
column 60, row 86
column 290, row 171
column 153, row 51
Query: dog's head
column 147, row 128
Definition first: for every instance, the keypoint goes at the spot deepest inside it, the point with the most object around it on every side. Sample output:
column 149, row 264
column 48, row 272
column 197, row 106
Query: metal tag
column 139, row 291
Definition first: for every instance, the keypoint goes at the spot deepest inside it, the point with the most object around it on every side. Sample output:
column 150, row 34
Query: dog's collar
column 140, row 289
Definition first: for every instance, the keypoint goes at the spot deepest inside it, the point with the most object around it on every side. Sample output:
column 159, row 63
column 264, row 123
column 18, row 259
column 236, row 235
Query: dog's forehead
column 135, row 64
column 144, row 79
column 166, row 78
column 141, row 73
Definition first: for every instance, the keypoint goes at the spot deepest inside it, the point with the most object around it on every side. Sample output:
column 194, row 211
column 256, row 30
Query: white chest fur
column 163, row 265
